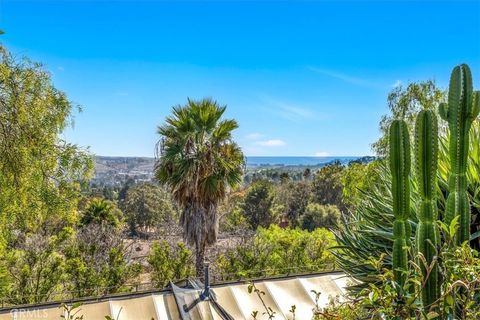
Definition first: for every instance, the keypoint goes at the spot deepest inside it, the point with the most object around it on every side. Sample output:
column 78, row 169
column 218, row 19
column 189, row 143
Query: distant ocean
column 295, row 161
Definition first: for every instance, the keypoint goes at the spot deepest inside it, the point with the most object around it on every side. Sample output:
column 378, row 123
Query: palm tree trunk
column 199, row 259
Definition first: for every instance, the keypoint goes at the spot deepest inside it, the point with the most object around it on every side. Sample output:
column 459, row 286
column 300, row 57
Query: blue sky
column 301, row 78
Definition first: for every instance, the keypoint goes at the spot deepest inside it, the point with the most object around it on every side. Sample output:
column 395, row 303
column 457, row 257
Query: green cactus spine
column 400, row 168
column 427, row 237
column 462, row 108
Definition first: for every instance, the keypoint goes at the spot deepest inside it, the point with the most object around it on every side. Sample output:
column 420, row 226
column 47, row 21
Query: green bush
column 146, row 207
column 170, row 263
column 101, row 211
column 327, row 185
column 275, row 251
column 258, row 204
column 97, row 262
column 320, row 216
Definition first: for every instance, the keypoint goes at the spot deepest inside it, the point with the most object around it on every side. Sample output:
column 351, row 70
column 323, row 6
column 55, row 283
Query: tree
column 200, row 163
column 232, row 219
column 358, row 178
column 40, row 174
column 102, row 212
column 146, row 206
column 405, row 103
column 122, row 194
column 258, row 204
column 293, row 197
column 320, row 216
column 327, row 185
column 307, row 174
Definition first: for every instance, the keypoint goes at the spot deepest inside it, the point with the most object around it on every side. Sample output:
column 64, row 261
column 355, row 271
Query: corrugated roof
column 228, row 301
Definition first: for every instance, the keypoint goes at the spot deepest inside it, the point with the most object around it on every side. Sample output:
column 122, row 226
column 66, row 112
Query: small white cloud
column 397, row 83
column 322, row 154
column 271, row 143
column 294, row 112
column 254, row 136
column 344, row 77
column 60, row 68
column 287, row 110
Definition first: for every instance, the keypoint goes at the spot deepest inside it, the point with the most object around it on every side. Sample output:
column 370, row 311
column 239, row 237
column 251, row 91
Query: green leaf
column 453, row 225
column 449, row 300
column 475, row 235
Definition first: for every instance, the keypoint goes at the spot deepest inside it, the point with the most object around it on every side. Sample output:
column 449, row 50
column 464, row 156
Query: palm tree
column 102, row 212
column 199, row 161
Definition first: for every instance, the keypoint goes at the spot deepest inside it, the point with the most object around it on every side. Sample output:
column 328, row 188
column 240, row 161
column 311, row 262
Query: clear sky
column 301, row 78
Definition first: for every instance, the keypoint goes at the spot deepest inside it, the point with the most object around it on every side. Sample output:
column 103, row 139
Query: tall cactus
column 427, row 237
column 462, row 108
column 400, row 168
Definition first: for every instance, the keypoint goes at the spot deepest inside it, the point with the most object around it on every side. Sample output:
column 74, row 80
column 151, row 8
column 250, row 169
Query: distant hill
column 116, row 170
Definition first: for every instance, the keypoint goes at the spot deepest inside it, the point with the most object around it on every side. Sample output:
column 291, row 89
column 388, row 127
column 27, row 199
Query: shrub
column 101, row 211
column 327, row 185
column 146, row 206
column 279, row 251
column 97, row 262
column 293, row 198
column 170, row 263
column 320, row 216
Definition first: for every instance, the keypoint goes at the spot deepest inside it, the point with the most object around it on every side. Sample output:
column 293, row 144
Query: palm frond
column 200, row 164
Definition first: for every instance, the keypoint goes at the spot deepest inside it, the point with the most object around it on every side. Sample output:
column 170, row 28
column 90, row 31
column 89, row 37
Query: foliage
column 293, row 197
column 41, row 174
column 40, row 181
column 252, row 288
column 320, row 216
column 147, row 206
column 382, row 300
column 405, row 103
column 101, row 211
column 327, row 185
column 358, row 178
column 35, row 268
column 231, row 214
column 278, row 251
column 70, row 311
column 461, row 274
column 200, row 163
column 97, row 262
column 170, row 263
column 376, row 238
column 258, row 204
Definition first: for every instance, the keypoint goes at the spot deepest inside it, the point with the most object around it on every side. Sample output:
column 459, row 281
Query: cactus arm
column 400, row 168
column 462, row 109
column 476, row 105
column 426, row 160
column 443, row 111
